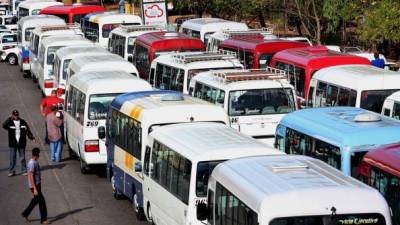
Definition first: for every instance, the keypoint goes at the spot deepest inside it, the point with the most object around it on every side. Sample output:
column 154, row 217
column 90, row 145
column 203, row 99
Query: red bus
column 72, row 14
column 302, row 63
column 381, row 169
column 255, row 51
column 149, row 46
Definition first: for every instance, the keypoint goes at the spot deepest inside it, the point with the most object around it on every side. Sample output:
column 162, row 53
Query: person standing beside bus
column 45, row 107
column 378, row 62
column 54, row 121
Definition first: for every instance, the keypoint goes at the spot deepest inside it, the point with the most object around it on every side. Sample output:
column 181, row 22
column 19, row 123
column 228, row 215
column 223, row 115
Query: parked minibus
column 302, row 63
column 63, row 58
column 88, row 97
column 8, row 40
column 122, row 39
column 174, row 71
column 391, row 106
column 218, row 37
column 178, row 162
column 10, row 22
column 130, row 120
column 72, row 13
column 339, row 136
column 37, row 36
column 151, row 45
column 31, row 8
column 202, row 28
column 25, row 27
column 363, row 86
column 99, row 26
column 46, row 55
column 103, row 62
column 255, row 52
column 380, row 169
column 255, row 100
column 288, row 190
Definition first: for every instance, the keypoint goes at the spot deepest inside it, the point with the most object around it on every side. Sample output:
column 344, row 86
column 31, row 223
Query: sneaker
column 26, row 218
column 45, row 222
column 11, row 174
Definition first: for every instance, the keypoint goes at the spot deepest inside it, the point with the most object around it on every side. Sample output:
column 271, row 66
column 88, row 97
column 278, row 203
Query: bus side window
column 147, row 161
column 386, row 112
column 280, row 143
column 151, row 77
column 310, row 97
column 396, row 111
column 210, row 203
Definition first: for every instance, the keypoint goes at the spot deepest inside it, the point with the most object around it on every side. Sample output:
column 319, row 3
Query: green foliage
column 337, row 11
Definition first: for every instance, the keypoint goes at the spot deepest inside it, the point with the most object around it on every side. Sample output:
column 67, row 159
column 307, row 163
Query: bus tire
column 116, row 193
column 138, row 210
column 83, row 166
column 149, row 215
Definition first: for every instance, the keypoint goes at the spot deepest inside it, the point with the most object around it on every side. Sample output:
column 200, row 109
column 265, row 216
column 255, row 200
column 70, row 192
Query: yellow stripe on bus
column 136, row 111
column 129, row 161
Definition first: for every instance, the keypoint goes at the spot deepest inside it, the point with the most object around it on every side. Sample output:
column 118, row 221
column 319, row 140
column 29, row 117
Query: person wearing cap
column 18, row 131
column 46, row 104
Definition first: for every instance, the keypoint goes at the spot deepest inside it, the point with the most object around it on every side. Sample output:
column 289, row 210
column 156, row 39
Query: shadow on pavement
column 54, row 166
column 63, row 215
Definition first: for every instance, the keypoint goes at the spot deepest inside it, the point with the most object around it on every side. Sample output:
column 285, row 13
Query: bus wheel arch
column 138, row 210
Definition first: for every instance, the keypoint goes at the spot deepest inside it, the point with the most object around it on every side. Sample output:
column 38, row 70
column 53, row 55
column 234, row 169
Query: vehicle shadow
column 54, row 166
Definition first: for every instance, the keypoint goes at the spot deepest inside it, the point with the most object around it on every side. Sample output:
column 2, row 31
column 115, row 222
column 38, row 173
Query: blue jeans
column 56, row 150
column 13, row 159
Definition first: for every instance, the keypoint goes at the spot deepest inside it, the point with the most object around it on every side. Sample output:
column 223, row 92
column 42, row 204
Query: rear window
column 9, row 39
column 98, row 105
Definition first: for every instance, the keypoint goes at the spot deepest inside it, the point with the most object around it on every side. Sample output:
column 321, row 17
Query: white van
column 99, row 25
column 178, row 162
column 174, row 71
column 25, row 27
column 7, row 41
column 10, row 22
column 255, row 100
column 202, row 28
column 391, row 106
column 41, row 32
column 64, row 57
column 46, row 55
column 107, row 62
column 88, row 97
column 122, row 39
column 32, row 8
column 288, row 190
column 361, row 86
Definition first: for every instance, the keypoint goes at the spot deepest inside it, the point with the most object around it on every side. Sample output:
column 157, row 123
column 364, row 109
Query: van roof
column 37, row 4
column 108, row 82
column 344, row 126
column 359, row 77
column 134, row 30
column 115, row 18
column 64, row 40
column 175, row 37
column 213, row 24
column 386, row 158
column 63, row 9
column 90, row 48
column 41, row 20
column 264, row 182
column 101, row 62
column 260, row 43
column 395, row 96
column 210, row 141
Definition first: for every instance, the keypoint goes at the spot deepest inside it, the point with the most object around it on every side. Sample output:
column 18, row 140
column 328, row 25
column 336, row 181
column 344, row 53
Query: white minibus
column 391, row 106
column 131, row 118
column 178, row 162
column 202, row 28
column 361, row 86
column 46, row 55
column 255, row 100
column 289, row 190
column 64, row 57
column 25, row 27
column 41, row 32
column 102, row 62
column 122, row 39
column 174, row 71
column 10, row 22
column 99, row 26
column 88, row 97
column 32, row 8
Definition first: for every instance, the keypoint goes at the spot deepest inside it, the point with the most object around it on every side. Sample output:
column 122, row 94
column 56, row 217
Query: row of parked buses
column 180, row 129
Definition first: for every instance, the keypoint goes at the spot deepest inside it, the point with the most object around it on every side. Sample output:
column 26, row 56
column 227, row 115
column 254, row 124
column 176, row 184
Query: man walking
column 54, row 121
column 18, row 130
column 34, row 181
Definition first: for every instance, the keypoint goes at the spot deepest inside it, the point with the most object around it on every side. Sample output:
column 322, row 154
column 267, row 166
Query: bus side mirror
column 202, row 211
column 130, row 58
column 101, row 132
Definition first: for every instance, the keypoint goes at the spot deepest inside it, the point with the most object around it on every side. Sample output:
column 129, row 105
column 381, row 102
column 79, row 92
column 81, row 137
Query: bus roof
column 134, row 30
column 41, row 20
column 73, row 50
column 38, row 5
column 115, row 18
column 210, row 141
column 395, row 96
column 101, row 62
column 264, row 182
column 64, row 40
column 386, row 158
column 317, row 57
column 344, row 126
column 260, row 44
column 170, row 40
column 108, row 82
column 76, row 9
column 359, row 77
column 212, row 24
column 50, row 30
column 170, row 103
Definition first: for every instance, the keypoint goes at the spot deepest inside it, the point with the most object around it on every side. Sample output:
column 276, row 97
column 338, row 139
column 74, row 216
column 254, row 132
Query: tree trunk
column 260, row 15
column 318, row 23
column 300, row 15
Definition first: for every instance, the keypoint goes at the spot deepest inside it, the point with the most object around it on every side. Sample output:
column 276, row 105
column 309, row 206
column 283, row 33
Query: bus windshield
column 92, row 31
column 373, row 100
column 9, row 39
column 98, row 105
column 204, row 170
column 361, row 219
column 261, row 102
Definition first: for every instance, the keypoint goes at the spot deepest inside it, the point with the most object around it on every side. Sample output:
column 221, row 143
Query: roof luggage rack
column 72, row 26
column 132, row 28
column 267, row 73
column 188, row 57
column 250, row 32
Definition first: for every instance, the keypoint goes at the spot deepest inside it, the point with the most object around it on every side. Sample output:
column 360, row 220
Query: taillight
column 25, row 60
column 60, row 91
column 92, row 146
column 48, row 84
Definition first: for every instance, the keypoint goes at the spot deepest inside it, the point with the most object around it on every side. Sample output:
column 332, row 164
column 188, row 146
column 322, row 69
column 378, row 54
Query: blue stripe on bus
column 128, row 185
column 121, row 99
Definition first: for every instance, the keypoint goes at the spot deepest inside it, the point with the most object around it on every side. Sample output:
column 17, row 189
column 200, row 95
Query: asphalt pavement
column 72, row 198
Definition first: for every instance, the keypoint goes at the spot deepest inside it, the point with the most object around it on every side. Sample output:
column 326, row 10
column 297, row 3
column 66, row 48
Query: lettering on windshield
column 357, row 221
